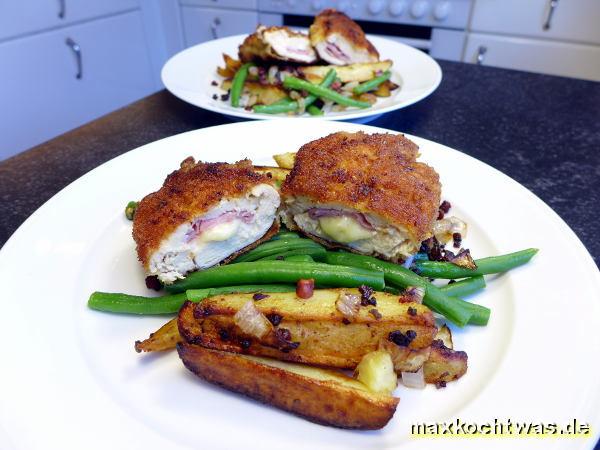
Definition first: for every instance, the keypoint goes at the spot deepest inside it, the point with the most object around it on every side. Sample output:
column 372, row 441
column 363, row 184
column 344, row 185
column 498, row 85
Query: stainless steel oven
column 434, row 26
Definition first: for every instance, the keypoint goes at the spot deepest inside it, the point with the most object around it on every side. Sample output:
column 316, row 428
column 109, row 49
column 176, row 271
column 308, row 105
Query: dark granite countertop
column 543, row 131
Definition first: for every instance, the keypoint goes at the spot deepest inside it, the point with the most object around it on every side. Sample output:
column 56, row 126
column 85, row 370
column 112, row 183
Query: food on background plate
column 277, row 44
column 365, row 193
column 203, row 215
column 250, row 299
column 281, row 71
column 340, row 40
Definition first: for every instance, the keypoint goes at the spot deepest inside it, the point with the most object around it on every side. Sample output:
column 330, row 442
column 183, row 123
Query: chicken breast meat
column 365, row 193
column 277, row 44
column 203, row 215
column 339, row 40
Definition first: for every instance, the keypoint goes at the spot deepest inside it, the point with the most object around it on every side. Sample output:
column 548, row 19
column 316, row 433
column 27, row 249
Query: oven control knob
column 317, row 5
column 441, row 11
column 397, row 7
column 376, row 6
column 344, row 6
column 419, row 8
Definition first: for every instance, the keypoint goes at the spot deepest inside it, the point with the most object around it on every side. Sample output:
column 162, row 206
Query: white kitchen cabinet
column 570, row 20
column 237, row 4
column 535, row 55
column 206, row 24
column 19, row 17
column 41, row 94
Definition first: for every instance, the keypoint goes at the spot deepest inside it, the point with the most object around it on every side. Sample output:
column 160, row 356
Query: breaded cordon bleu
column 362, row 192
column 203, row 215
column 277, row 44
column 339, row 40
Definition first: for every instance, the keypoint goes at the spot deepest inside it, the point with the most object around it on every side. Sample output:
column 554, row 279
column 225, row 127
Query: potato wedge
column 285, row 160
column 319, row 395
column 266, row 94
column 318, row 332
column 376, row 371
column 276, row 173
column 231, row 66
column 165, row 338
column 445, row 335
column 405, row 359
column 444, row 364
column 354, row 72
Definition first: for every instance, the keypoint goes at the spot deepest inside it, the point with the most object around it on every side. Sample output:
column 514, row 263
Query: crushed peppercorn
column 375, row 313
column 402, row 339
column 275, row 319
column 259, row 296
column 224, row 334
column 412, row 311
column 245, row 343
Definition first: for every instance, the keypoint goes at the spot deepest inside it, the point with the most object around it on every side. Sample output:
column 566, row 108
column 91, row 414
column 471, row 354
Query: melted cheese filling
column 344, row 229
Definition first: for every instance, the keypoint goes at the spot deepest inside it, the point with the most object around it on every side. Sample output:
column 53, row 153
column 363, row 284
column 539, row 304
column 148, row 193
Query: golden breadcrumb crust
column 371, row 173
column 186, row 194
column 331, row 21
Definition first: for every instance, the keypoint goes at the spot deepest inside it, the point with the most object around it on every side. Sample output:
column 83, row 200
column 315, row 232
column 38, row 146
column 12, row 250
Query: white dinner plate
column 70, row 378
column 190, row 73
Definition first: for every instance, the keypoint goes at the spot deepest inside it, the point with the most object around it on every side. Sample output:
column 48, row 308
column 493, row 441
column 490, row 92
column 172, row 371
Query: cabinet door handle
column 214, row 27
column 62, row 8
column 74, row 46
column 552, row 7
column 481, row 51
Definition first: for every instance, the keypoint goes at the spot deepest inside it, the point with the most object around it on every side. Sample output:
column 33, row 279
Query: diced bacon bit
column 305, row 288
column 413, row 294
column 316, row 213
column 199, row 225
column 251, row 321
column 348, row 305
column 152, row 282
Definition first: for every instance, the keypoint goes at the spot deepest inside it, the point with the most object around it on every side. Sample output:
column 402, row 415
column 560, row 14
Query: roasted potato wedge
column 318, row 333
column 266, row 94
column 319, row 395
column 444, row 364
column 445, row 335
column 165, row 338
column 285, row 160
column 385, row 89
column 376, row 371
column 276, row 173
column 354, row 72
column 231, row 66
column 405, row 359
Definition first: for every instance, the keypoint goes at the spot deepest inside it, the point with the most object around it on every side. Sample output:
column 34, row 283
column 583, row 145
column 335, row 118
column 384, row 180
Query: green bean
column 237, row 85
column 275, row 247
column 323, row 92
column 316, row 252
column 196, row 295
column 372, row 84
column 314, row 110
column 300, row 258
column 289, row 105
column 464, row 287
column 392, row 290
column 455, row 310
column 480, row 315
column 285, row 235
column 279, row 272
column 485, row 266
column 135, row 304
column 130, row 209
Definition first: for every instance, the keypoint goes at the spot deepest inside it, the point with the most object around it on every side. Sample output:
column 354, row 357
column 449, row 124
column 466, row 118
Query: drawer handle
column 547, row 22
column 481, row 51
column 74, row 46
column 214, row 27
column 62, row 9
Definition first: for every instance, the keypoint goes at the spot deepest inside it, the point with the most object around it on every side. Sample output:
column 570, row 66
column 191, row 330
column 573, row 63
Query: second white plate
column 190, row 73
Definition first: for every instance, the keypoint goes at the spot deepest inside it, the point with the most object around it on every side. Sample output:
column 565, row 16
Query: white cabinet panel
column 536, row 55
column 239, row 4
column 26, row 16
column 206, row 24
column 574, row 20
column 41, row 96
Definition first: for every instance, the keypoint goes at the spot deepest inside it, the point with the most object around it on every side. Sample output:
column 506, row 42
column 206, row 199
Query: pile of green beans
column 322, row 92
column 485, row 266
column 237, row 85
column 288, row 105
column 454, row 309
column 279, row 272
column 279, row 247
column 170, row 304
column 372, row 84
